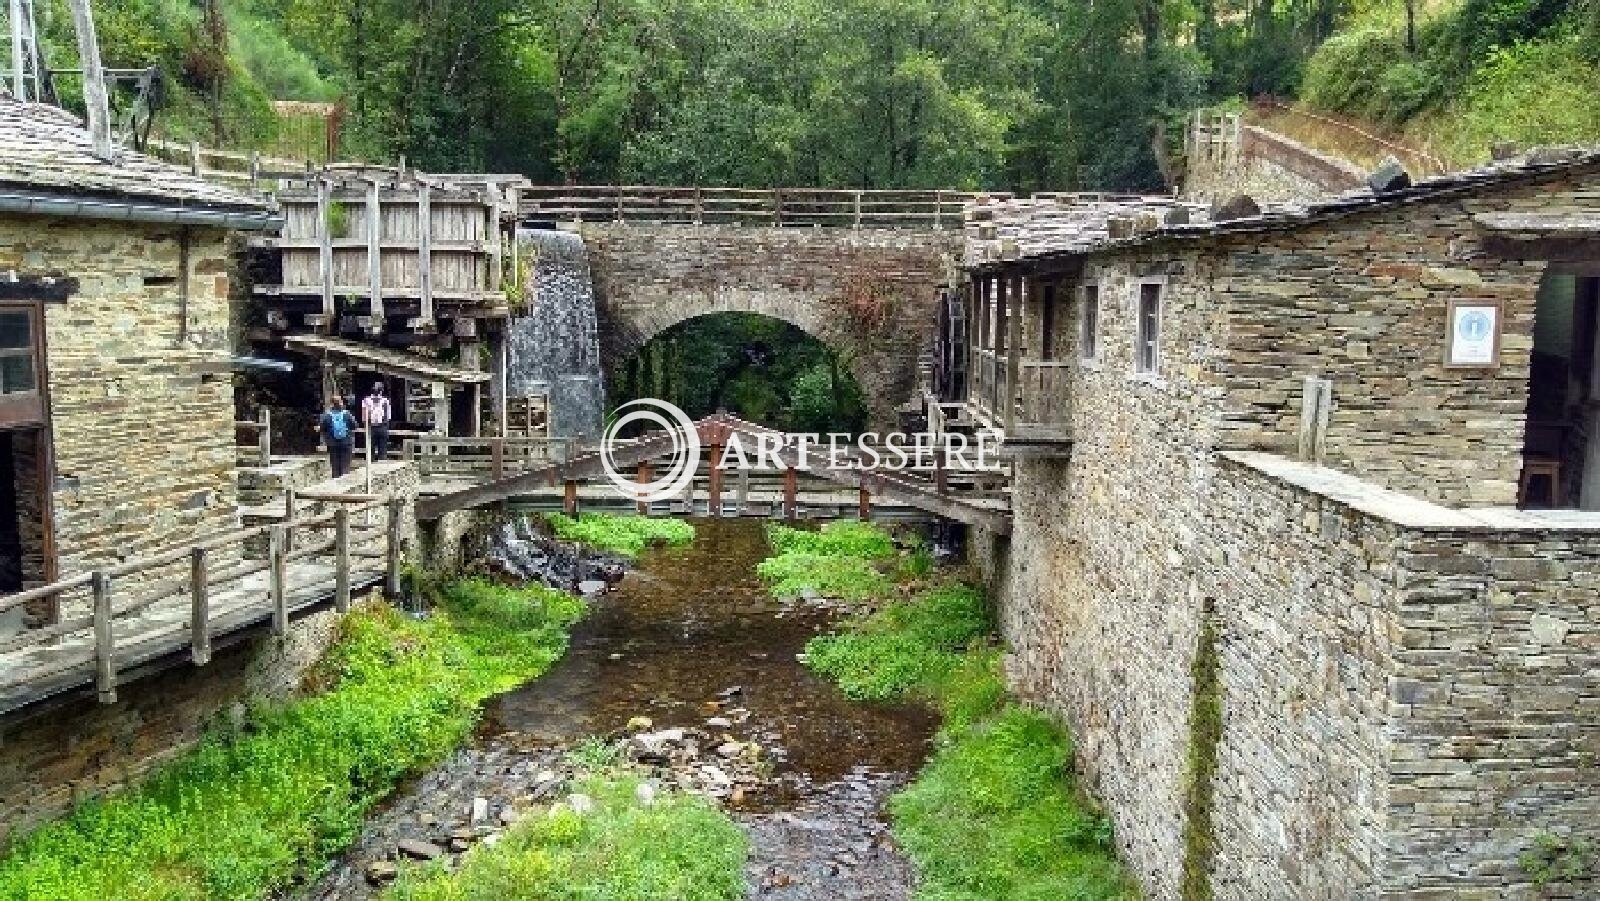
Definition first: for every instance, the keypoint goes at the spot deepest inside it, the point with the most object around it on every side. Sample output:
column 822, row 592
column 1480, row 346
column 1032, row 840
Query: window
column 1147, row 347
column 17, row 352
column 1089, row 324
column 1047, row 318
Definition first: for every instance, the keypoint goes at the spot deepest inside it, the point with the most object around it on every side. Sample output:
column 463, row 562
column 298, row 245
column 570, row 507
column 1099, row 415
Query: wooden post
column 104, row 649
column 497, row 458
column 18, row 88
column 643, row 476
column 790, row 491
column 375, row 253
column 938, row 210
column 742, row 500
column 264, row 435
column 864, row 502
column 941, row 479
column 255, row 170
column 94, row 79
column 277, row 576
column 341, row 559
column 858, row 210
column 1014, row 352
column 325, row 252
column 714, row 477
column 569, row 499
column 425, row 250
column 288, row 519
column 194, row 158
column 199, row 608
column 699, row 207
column 777, row 207
column 391, row 581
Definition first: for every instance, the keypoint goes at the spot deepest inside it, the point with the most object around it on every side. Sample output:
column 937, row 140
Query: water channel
column 691, row 639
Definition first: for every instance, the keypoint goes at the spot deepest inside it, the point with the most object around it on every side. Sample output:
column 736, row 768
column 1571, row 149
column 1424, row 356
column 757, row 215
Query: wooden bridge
column 511, row 469
column 114, row 623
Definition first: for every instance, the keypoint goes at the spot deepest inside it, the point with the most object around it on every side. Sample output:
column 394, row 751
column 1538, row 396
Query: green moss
column 841, row 538
column 246, row 812
column 679, row 847
column 626, row 535
column 840, row 560
column 1205, row 732
column 908, row 647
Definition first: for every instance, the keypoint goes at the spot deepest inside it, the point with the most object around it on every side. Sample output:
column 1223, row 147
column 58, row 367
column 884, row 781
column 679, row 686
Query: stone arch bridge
column 858, row 270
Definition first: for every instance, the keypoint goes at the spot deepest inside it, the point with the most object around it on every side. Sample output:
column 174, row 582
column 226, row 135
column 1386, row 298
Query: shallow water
column 681, row 631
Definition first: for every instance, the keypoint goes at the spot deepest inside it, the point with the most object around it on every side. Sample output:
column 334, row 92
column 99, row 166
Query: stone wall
column 142, row 415
column 1363, row 301
column 1270, row 168
column 66, row 752
column 870, row 293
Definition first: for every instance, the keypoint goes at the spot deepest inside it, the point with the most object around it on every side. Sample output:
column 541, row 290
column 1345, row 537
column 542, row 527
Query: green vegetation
column 678, row 847
column 1205, row 734
column 995, row 814
column 841, row 560
column 252, row 808
column 1556, row 859
column 765, row 370
column 1475, row 71
column 625, row 535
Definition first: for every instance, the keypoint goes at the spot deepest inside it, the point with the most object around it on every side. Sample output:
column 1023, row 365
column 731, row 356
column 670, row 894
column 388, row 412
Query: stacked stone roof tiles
column 1047, row 225
column 44, row 149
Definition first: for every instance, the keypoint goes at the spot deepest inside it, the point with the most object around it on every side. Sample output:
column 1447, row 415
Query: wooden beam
column 341, row 559
column 104, row 640
column 95, row 100
column 199, row 608
column 325, row 251
column 391, row 579
column 375, row 253
column 425, row 249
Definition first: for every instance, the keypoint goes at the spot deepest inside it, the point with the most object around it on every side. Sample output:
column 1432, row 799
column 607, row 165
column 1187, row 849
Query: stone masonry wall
column 1102, row 611
column 1270, row 168
column 869, row 293
column 54, row 758
column 142, row 420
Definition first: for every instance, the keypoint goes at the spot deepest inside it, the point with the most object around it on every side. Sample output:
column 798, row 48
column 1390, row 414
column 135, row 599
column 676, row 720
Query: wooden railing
column 990, row 386
column 749, row 206
column 1043, row 391
column 258, row 451
column 222, row 582
column 494, row 458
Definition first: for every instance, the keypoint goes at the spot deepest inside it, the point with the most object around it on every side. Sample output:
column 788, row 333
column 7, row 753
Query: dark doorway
column 22, row 515
column 1563, row 387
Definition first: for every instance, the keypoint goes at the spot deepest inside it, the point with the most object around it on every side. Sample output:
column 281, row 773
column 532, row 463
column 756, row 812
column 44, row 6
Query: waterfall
column 555, row 345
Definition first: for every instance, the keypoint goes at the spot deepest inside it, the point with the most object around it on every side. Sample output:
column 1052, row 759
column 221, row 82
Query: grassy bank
column 995, row 813
column 674, row 846
column 625, row 535
column 248, row 811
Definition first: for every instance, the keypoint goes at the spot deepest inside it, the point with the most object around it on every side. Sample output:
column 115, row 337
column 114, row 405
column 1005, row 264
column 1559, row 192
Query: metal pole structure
column 94, row 80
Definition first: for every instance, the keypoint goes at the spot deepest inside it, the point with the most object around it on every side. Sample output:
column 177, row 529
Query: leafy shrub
column 679, row 847
column 1539, row 92
column 246, row 811
column 626, row 535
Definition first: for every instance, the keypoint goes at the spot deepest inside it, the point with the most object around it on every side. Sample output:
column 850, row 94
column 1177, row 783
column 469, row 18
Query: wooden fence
column 117, row 617
column 750, row 206
column 492, row 458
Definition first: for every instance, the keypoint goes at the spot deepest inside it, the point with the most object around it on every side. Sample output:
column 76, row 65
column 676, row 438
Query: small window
column 1089, row 324
column 1147, row 349
column 1047, row 319
column 16, row 352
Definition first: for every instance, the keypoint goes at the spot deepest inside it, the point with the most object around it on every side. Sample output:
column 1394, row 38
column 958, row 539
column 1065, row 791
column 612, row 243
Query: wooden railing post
column 497, row 458
column 790, row 490
column 714, row 479
column 104, row 649
column 569, row 497
column 277, row 577
column 858, row 211
column 742, row 498
column 864, row 502
column 699, row 207
column 199, row 608
column 642, row 506
column 341, row 559
column 391, row 582
column 288, row 519
column 941, row 479
column 264, row 435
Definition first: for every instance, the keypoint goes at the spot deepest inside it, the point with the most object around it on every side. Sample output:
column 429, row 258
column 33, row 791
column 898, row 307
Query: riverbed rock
column 381, row 871
column 639, row 724
column 417, row 849
column 646, row 793
column 730, row 748
column 580, row 803
column 719, row 722
column 480, row 810
column 591, row 587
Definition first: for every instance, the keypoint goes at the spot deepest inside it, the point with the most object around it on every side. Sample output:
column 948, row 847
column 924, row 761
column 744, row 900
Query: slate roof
column 44, row 149
column 1283, row 217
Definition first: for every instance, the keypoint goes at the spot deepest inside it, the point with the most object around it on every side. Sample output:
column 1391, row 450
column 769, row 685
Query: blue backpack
column 339, row 425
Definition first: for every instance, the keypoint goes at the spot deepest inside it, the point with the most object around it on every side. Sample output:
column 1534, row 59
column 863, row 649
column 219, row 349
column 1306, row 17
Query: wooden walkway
column 974, row 497
column 110, row 623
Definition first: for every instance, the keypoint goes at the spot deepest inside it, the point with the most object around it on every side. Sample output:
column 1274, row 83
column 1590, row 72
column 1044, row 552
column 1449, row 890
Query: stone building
column 116, row 399
column 1302, row 549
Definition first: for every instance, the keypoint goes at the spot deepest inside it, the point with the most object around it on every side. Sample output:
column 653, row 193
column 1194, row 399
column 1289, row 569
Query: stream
column 691, row 661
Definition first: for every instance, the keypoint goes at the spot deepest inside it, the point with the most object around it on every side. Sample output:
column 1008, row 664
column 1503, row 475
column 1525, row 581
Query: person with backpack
column 375, row 411
column 338, row 430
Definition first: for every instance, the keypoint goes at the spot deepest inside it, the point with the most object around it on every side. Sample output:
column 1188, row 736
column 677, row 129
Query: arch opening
column 758, row 367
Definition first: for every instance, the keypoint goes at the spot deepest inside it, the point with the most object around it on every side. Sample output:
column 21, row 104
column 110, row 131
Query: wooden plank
column 104, row 641
column 199, row 608
column 277, row 580
column 391, row 582
column 375, row 253
column 324, row 249
column 341, row 559
column 425, row 249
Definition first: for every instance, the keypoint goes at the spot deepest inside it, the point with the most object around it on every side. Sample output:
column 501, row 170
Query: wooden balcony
column 1025, row 399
